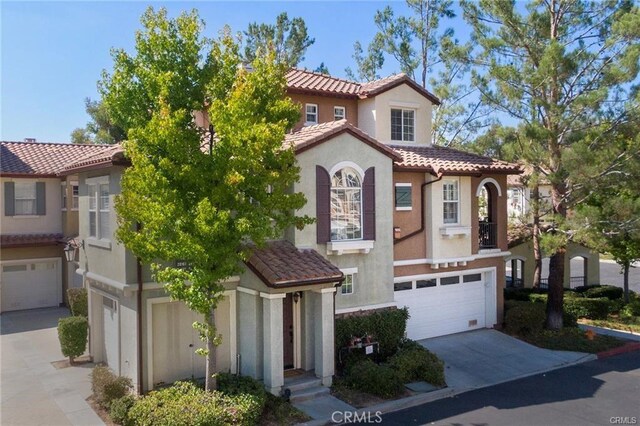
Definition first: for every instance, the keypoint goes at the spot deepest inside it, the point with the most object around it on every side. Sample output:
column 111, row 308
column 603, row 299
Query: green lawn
column 572, row 339
column 616, row 322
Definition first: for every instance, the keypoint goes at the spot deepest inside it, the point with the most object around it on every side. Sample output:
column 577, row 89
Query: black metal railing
column 573, row 282
column 488, row 235
column 514, row 283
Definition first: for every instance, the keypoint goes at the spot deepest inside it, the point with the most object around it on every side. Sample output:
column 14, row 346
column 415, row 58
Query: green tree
column 287, row 39
column 556, row 66
column 422, row 48
column 205, row 198
column 101, row 129
column 322, row 68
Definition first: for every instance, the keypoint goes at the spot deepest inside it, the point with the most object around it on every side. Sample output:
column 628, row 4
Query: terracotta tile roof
column 310, row 136
column 40, row 158
column 281, row 264
column 300, row 80
column 111, row 154
column 437, row 159
column 21, row 240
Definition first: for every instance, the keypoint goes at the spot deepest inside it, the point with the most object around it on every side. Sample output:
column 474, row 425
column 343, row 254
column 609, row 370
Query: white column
column 273, row 353
column 324, row 338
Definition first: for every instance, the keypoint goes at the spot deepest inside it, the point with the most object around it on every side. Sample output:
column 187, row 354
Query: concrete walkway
column 487, row 357
column 32, row 391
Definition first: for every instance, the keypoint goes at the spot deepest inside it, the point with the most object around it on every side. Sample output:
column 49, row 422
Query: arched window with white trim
column 346, row 205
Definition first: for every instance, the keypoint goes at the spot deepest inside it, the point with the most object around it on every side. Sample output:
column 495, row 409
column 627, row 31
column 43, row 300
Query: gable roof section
column 440, row 160
column 304, row 81
column 110, row 155
column 280, row 264
column 40, row 159
column 310, row 136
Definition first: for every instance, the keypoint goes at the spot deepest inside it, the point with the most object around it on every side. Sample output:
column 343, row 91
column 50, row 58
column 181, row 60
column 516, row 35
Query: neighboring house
column 397, row 224
column 519, row 198
column 39, row 212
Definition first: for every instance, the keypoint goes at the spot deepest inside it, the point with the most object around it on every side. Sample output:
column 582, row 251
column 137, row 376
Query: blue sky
column 53, row 53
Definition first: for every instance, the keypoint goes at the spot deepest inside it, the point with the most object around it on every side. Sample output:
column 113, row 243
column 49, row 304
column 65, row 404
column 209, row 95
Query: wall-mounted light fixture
column 71, row 248
column 297, row 296
column 397, row 232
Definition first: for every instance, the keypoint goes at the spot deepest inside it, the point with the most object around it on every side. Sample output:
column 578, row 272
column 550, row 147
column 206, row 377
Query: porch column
column 273, row 355
column 323, row 332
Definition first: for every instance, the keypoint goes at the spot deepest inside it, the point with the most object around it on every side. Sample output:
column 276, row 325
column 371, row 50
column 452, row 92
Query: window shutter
column 9, row 199
column 41, row 201
column 369, row 204
column 323, row 205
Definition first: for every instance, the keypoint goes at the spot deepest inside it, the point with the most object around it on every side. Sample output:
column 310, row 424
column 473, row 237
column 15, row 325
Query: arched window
column 346, row 205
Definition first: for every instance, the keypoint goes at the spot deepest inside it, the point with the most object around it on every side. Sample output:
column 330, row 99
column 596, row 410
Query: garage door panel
column 31, row 285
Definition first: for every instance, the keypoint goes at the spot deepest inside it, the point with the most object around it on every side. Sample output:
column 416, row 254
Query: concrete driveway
column 487, row 357
column 32, row 390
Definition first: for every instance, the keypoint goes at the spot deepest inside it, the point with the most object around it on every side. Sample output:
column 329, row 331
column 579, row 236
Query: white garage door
column 441, row 305
column 31, row 284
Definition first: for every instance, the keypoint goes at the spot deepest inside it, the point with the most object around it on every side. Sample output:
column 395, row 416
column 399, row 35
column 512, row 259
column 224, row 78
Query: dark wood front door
column 287, row 331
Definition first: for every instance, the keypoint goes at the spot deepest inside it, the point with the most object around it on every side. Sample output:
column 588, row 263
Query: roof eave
column 415, row 86
column 29, row 175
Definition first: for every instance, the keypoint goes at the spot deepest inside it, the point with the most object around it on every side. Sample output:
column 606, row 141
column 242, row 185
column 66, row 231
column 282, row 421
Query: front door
column 287, row 331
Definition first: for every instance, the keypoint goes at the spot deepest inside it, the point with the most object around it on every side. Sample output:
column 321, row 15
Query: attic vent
column 473, row 323
column 29, row 139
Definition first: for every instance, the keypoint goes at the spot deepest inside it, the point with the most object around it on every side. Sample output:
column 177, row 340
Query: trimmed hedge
column 184, row 404
column 78, row 302
column 386, row 327
column 588, row 308
column 72, row 333
column 416, row 363
column 107, row 387
column 525, row 319
column 232, row 385
column 119, row 411
column 367, row 376
column 608, row 291
column 632, row 309
column 521, row 294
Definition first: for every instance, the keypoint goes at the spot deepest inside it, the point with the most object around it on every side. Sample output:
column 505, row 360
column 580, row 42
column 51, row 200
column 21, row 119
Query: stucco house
column 39, row 211
column 398, row 223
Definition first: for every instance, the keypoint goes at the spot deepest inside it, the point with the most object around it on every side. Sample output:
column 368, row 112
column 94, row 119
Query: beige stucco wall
column 374, row 279
column 51, row 222
column 375, row 114
column 325, row 108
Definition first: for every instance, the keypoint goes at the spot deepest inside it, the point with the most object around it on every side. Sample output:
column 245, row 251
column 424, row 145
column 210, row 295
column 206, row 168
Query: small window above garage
column 403, row 196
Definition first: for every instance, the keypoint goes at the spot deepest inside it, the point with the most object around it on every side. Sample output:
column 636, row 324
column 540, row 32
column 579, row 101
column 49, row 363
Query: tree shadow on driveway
column 31, row 320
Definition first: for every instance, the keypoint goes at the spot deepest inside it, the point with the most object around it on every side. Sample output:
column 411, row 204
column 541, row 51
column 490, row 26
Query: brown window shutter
column 9, row 199
column 323, row 205
column 41, row 200
column 369, row 204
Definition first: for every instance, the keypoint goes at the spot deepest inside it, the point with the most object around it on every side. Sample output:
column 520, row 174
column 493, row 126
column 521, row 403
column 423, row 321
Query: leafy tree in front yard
column 205, row 196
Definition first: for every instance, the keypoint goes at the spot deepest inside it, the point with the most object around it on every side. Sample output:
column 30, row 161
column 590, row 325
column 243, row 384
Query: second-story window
column 403, row 196
column 311, row 114
column 99, row 210
column 403, row 125
column 346, row 205
column 75, row 193
column 451, row 201
column 339, row 113
column 347, row 284
column 25, row 199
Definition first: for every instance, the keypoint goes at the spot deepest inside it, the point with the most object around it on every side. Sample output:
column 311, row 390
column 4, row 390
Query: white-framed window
column 451, row 201
column 403, row 196
column 346, row 205
column 75, row 195
column 311, row 114
column 347, row 284
column 403, row 123
column 25, row 196
column 339, row 113
column 63, row 195
column 99, row 208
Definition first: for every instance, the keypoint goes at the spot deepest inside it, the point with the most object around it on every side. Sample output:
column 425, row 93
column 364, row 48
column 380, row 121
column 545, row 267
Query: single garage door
column 442, row 305
column 36, row 283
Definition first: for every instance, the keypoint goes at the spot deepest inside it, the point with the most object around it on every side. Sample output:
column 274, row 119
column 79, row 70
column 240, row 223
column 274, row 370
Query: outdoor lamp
column 70, row 250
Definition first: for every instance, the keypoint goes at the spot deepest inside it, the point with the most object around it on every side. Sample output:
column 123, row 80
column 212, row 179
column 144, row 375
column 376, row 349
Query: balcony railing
column 488, row 235
column 573, row 282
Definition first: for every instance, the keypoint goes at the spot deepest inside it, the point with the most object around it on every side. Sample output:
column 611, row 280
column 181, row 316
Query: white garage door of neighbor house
column 110, row 326
column 36, row 283
column 442, row 305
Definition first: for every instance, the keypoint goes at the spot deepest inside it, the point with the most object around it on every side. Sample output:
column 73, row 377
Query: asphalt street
column 601, row 392
column 610, row 273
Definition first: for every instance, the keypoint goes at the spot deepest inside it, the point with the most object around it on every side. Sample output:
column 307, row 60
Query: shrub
column 232, row 385
column 184, row 404
column 525, row 320
column 632, row 309
column 78, row 302
column 386, row 327
column 608, row 291
column 107, row 387
column 588, row 308
column 72, row 333
column 119, row 411
column 521, row 294
column 585, row 288
column 538, row 298
column 380, row 380
column 418, row 364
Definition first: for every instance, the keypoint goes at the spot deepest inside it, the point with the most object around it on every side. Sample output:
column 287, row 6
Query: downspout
column 422, row 218
column 139, row 309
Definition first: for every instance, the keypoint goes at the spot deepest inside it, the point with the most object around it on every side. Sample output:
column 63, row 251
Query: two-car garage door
column 446, row 304
column 29, row 284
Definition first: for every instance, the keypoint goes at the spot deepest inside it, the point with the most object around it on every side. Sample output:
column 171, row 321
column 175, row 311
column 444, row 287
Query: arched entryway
column 578, row 267
column 488, row 193
column 514, row 271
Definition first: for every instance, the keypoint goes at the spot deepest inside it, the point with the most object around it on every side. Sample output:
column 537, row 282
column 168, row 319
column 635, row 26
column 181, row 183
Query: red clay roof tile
column 110, row 155
column 20, row 240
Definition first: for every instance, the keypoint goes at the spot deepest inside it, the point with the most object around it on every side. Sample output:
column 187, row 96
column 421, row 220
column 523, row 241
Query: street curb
column 629, row 347
column 419, row 399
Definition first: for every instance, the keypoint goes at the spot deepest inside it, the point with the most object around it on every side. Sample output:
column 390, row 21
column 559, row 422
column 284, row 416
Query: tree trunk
column 556, row 290
column 210, row 380
column 537, row 253
column 626, row 282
